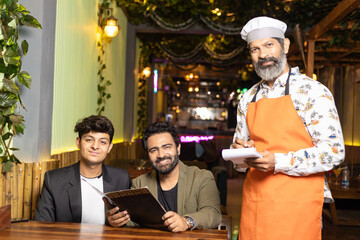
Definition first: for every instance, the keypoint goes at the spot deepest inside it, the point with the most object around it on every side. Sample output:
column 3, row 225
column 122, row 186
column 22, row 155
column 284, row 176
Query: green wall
column 76, row 67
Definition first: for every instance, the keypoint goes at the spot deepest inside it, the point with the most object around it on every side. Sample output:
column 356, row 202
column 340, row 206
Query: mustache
column 158, row 160
column 267, row 59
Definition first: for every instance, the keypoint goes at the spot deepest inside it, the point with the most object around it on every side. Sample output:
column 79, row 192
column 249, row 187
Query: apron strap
column 287, row 87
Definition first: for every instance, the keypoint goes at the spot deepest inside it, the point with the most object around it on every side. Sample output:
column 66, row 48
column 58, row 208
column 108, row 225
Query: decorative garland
column 166, row 25
column 186, row 69
column 191, row 21
column 221, row 28
column 13, row 15
column 220, row 56
column 194, row 54
column 181, row 57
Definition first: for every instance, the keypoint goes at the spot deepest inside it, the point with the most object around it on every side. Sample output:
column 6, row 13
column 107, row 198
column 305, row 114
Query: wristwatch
column 190, row 223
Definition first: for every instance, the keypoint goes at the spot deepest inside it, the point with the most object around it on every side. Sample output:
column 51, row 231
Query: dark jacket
column 60, row 199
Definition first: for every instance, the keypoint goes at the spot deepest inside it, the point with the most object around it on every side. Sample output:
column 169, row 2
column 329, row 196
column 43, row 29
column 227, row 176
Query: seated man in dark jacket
column 66, row 195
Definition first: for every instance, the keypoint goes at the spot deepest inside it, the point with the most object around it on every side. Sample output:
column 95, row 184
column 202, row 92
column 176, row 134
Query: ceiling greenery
column 233, row 12
column 226, row 18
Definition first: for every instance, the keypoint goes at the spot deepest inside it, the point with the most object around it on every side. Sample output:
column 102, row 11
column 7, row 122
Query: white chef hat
column 263, row 27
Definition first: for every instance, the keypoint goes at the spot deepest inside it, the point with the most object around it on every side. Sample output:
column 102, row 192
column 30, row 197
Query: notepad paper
column 238, row 155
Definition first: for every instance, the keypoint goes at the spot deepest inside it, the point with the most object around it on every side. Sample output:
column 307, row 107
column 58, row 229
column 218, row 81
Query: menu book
column 238, row 155
column 143, row 208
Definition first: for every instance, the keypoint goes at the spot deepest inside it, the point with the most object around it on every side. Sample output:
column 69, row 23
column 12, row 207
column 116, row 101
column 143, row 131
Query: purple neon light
column 195, row 138
column 155, row 81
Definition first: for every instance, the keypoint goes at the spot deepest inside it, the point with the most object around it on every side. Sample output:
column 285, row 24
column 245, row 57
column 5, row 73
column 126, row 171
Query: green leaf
column 24, row 47
column 8, row 110
column 12, row 56
column 6, row 136
column 12, row 60
column 108, row 83
column 7, row 99
column 7, row 167
column 30, row 21
column 14, row 159
column 14, row 149
column 99, row 101
column 1, row 151
column 20, row 128
column 24, row 78
column 21, row 9
column 12, row 52
column 9, row 69
column 108, row 96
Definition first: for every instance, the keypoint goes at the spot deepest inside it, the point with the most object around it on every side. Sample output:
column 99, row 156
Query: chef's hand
column 238, row 143
column 265, row 164
column 116, row 218
column 174, row 222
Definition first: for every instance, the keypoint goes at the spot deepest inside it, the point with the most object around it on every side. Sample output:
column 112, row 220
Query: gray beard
column 269, row 73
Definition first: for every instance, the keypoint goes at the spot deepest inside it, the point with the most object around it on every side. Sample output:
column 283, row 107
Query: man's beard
column 271, row 72
column 165, row 169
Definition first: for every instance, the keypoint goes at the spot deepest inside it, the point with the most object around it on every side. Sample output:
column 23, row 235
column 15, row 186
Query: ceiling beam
column 349, row 27
column 338, row 13
column 355, row 48
column 339, row 57
column 298, row 58
column 324, row 59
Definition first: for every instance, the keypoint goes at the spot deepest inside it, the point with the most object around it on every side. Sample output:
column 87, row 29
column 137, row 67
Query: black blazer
column 60, row 199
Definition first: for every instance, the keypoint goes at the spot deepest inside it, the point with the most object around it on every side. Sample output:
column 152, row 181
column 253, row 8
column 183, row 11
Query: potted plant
column 13, row 16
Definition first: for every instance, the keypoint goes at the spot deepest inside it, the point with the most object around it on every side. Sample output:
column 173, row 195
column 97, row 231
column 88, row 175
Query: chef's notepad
column 238, row 155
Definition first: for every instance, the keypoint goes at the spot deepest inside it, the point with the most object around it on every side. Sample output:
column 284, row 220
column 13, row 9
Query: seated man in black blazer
column 65, row 197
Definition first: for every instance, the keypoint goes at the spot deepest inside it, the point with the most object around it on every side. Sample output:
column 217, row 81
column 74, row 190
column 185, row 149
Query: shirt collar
column 280, row 81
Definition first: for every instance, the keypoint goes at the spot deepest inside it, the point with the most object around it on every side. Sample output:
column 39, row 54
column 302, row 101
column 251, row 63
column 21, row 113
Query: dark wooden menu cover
column 143, row 208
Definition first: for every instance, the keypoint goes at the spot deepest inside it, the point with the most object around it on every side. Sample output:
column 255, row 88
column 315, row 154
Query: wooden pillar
column 28, row 172
column 310, row 58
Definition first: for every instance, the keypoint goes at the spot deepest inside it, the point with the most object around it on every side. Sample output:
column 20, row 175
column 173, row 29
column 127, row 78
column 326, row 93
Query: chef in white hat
column 292, row 121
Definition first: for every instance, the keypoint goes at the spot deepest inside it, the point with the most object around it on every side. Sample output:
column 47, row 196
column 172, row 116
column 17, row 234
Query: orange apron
column 279, row 206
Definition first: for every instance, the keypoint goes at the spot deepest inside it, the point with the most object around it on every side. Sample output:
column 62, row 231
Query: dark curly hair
column 160, row 127
column 94, row 124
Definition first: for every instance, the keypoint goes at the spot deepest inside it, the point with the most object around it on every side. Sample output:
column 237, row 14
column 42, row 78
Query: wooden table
column 50, row 230
column 338, row 193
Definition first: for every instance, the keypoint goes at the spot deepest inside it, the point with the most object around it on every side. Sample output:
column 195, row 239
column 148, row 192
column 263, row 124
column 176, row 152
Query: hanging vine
column 145, row 51
column 103, row 84
column 13, row 15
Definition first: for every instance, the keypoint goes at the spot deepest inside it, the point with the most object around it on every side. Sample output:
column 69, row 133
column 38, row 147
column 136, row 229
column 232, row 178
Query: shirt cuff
column 239, row 168
column 282, row 162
